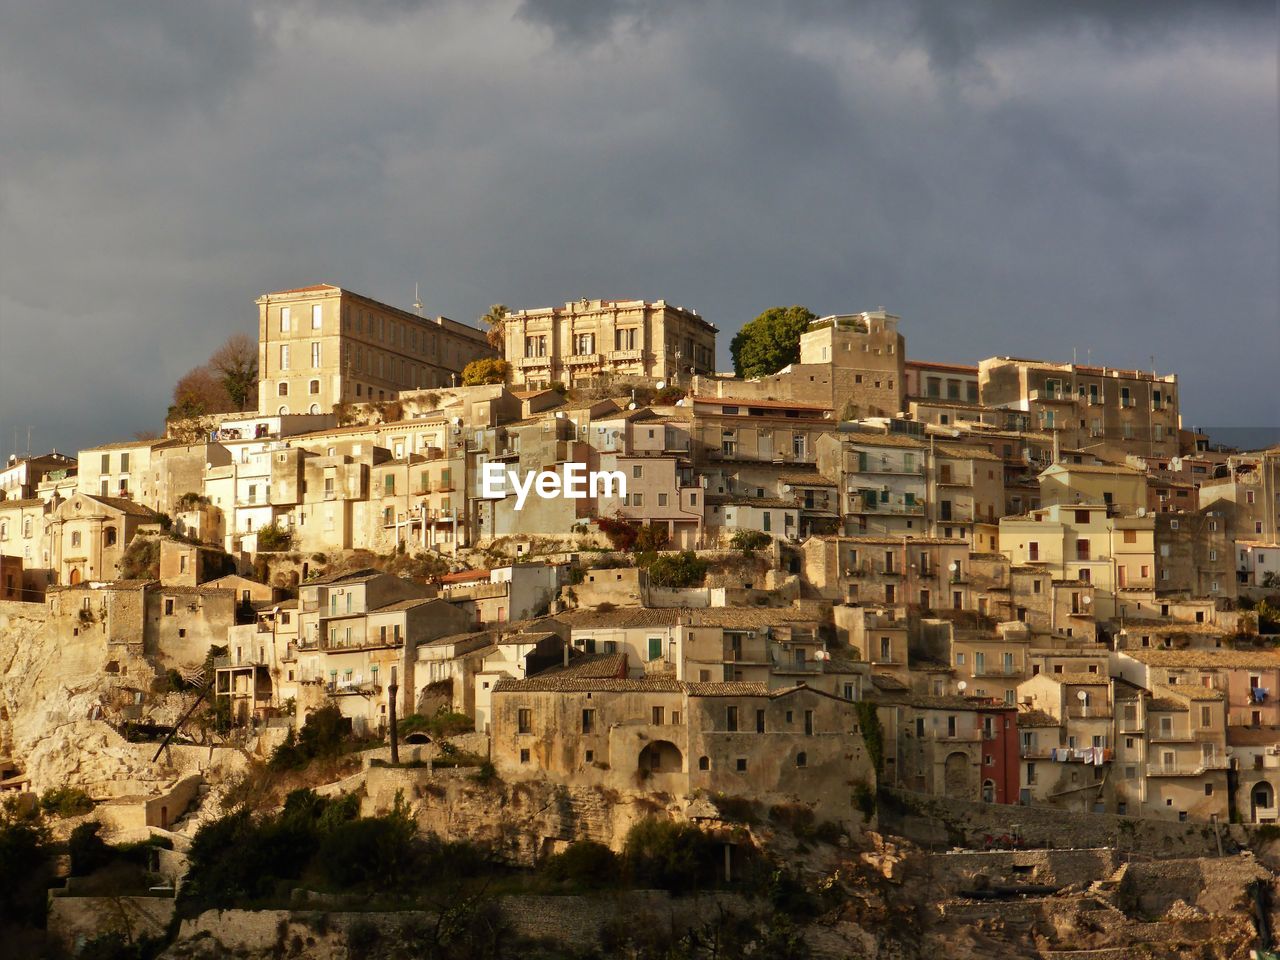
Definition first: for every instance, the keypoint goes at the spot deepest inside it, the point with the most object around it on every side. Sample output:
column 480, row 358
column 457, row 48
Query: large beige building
column 321, row 345
column 1107, row 411
column 587, row 339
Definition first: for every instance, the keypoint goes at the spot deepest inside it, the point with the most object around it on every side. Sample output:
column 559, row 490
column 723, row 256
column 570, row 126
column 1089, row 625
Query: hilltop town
column 1008, row 626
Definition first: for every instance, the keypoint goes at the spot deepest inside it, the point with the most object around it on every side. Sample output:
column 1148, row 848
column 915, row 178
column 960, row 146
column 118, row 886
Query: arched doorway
column 75, row 575
column 988, row 791
column 955, row 777
column 661, row 756
column 1262, row 801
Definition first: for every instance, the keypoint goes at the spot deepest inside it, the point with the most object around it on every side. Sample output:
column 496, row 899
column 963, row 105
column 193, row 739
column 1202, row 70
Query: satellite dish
column 662, row 384
column 1086, row 600
column 962, row 686
column 631, row 406
column 1081, row 696
column 955, row 566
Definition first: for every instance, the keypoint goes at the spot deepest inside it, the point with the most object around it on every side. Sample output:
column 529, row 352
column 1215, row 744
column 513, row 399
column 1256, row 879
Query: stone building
column 88, row 536
column 355, row 631
column 586, row 340
column 659, row 734
column 322, row 345
column 1111, row 412
column 949, row 746
column 21, row 477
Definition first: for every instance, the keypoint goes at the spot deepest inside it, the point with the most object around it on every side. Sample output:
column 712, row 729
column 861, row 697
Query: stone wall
column 524, row 821
column 73, row 921
column 965, row 869
column 576, row 920
column 939, row 822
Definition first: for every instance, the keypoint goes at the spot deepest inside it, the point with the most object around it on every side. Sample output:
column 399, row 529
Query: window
column 637, row 471
column 284, row 320
column 741, row 764
column 704, row 763
column 168, row 606
column 524, row 756
column 731, row 719
column 284, row 356
column 317, row 316
column 315, row 354
column 75, row 538
column 802, row 759
column 759, row 721
column 659, row 716
column 313, row 387
column 524, row 721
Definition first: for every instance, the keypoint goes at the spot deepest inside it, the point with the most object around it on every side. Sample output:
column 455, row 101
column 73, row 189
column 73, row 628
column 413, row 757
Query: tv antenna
column 417, row 300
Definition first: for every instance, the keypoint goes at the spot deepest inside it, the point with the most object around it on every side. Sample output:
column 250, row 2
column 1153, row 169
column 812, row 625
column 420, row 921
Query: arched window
column 75, row 538
column 704, row 763
column 802, row 759
column 109, row 536
column 283, row 389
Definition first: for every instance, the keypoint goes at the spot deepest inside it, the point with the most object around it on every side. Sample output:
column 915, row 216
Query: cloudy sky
column 1009, row 176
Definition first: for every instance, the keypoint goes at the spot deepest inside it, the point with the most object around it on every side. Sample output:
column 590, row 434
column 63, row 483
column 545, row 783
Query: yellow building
column 321, row 345
column 1121, row 488
column 588, row 339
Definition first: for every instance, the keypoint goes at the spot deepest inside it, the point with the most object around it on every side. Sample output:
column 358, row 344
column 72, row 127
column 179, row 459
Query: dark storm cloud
column 1018, row 177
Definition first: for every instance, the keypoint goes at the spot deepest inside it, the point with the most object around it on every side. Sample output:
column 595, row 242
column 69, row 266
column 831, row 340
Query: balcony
column 626, row 356
column 525, row 363
column 1186, row 769
column 582, row 360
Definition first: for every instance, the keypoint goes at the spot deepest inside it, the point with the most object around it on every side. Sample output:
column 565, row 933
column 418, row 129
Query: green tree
column 770, row 341
column 496, row 319
column 235, row 363
column 487, row 370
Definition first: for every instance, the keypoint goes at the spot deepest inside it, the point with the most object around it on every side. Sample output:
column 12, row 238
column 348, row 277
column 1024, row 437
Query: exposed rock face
column 58, row 689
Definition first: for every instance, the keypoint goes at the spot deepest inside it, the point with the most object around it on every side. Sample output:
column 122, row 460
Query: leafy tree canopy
column 770, row 341
column 487, row 370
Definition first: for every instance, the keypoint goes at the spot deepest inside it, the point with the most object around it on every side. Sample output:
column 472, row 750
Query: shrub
column 141, row 560
column 586, row 862
column 26, row 852
column 65, row 802
column 323, row 735
column 669, row 856
column 674, row 569
column 622, row 534
column 362, row 936
column 749, row 541
column 272, row 539
column 87, row 850
column 485, row 370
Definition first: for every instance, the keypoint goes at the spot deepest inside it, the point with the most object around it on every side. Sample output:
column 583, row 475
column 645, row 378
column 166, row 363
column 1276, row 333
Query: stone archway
column 661, row 756
column 1262, row 800
column 955, row 777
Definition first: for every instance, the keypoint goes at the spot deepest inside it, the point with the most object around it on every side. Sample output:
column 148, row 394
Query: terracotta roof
column 465, row 576
column 590, row 667
column 1036, row 718
column 1225, row 659
column 867, row 439
column 1107, row 468
column 956, row 703
column 728, row 688
column 726, row 617
column 888, row 682
column 895, row 541
column 1080, row 679
column 551, row 683
column 124, row 506
column 734, row 500
column 352, row 576
column 775, row 404
column 1189, row 691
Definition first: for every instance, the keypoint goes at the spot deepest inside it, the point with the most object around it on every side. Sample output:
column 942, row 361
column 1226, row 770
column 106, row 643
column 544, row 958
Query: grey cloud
column 1109, row 184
